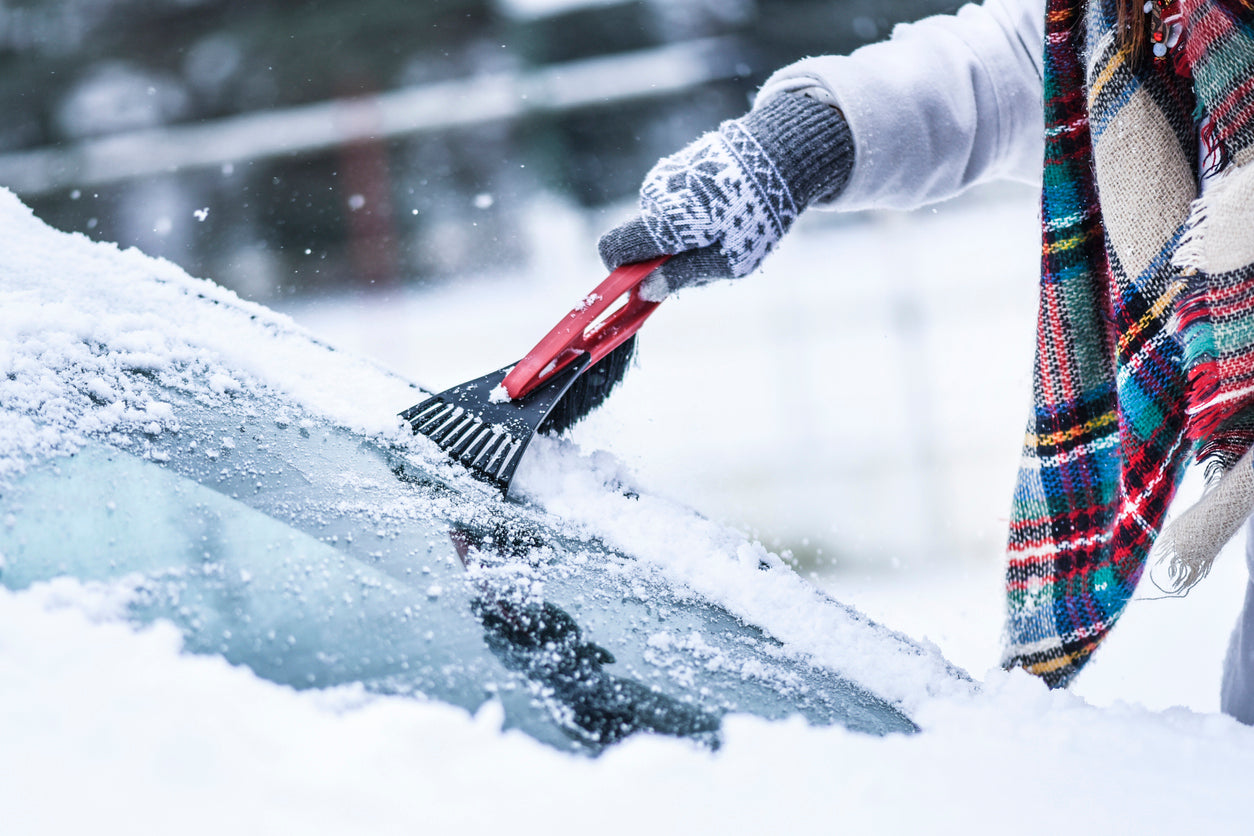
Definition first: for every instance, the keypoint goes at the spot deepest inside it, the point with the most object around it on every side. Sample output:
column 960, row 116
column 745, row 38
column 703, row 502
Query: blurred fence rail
column 325, row 126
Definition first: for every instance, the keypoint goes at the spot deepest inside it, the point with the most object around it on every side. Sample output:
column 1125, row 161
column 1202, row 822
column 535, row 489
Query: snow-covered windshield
column 220, row 469
column 317, row 559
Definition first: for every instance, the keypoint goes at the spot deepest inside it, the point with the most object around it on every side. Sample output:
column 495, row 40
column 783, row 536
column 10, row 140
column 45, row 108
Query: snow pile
column 79, row 321
column 722, row 565
column 107, row 731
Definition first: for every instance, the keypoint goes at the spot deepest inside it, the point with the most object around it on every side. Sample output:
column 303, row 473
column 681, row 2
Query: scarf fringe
column 1207, row 405
column 1190, row 255
column 1185, row 551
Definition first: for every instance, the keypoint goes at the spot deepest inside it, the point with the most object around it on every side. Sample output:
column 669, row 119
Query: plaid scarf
column 1145, row 335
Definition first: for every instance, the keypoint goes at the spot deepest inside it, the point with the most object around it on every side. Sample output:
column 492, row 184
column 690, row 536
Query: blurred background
column 424, row 182
column 344, row 142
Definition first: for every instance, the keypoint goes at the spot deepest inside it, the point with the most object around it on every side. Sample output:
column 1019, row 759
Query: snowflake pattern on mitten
column 723, row 189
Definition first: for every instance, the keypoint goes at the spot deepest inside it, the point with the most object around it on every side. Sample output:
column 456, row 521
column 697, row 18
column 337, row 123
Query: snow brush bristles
column 487, row 423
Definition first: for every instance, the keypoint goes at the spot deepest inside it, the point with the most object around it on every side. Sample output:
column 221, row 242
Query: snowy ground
column 107, row 730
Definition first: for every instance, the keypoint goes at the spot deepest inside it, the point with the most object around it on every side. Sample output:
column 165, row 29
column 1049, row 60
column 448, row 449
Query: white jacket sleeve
column 945, row 103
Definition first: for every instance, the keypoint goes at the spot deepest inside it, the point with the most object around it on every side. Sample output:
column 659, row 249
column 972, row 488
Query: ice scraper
column 487, row 423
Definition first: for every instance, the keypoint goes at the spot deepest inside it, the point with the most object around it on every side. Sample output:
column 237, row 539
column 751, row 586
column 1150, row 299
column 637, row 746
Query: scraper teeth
column 509, row 458
column 417, row 412
column 450, row 426
column 504, row 457
column 475, row 443
column 436, row 423
column 493, row 464
column 488, row 450
column 425, row 419
column 466, row 433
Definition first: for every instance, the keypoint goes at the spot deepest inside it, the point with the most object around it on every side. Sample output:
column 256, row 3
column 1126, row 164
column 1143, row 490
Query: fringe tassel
column 1186, row 549
column 1194, row 328
column 1221, row 452
column 1189, row 258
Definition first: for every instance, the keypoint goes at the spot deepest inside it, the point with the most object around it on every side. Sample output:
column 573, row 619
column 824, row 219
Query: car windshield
column 318, row 558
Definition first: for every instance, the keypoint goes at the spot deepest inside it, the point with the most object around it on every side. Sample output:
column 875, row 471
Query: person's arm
column 947, row 102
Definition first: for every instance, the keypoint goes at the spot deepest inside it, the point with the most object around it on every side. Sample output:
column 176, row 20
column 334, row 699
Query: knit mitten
column 721, row 204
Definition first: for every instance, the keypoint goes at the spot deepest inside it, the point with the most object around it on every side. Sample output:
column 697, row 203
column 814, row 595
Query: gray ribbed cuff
column 809, row 142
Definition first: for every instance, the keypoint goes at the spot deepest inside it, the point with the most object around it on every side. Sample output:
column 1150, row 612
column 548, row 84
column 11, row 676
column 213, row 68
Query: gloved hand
column 721, row 204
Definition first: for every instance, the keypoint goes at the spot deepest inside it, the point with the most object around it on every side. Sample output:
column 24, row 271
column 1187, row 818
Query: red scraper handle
column 606, row 318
